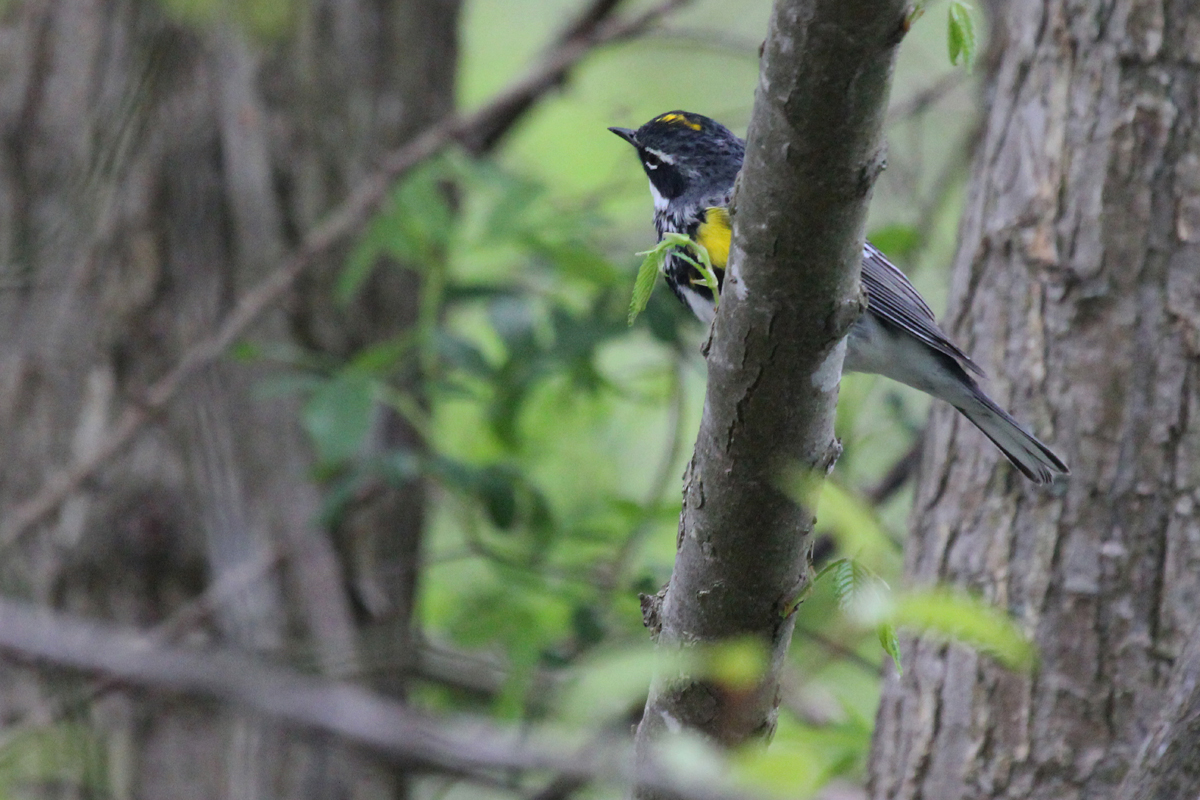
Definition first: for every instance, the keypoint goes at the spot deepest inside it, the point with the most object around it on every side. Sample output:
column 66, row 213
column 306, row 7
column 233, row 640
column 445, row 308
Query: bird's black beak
column 626, row 134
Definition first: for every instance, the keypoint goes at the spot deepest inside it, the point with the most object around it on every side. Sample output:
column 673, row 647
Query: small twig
column 560, row 787
column 926, row 98
column 344, row 221
column 479, row 673
column 585, row 24
column 898, row 475
column 616, row 567
column 945, row 183
column 723, row 41
column 838, row 649
column 501, row 117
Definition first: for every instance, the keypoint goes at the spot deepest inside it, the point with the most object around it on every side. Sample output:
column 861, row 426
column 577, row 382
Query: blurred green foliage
column 265, row 19
column 555, row 434
column 69, row 753
column 528, row 365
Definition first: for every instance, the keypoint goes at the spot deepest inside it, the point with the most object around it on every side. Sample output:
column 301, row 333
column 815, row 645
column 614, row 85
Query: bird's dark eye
column 650, row 160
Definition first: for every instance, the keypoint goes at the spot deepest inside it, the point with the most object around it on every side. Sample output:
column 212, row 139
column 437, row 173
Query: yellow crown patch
column 678, row 119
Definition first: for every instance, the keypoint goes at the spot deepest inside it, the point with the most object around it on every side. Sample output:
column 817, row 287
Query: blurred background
column 442, row 465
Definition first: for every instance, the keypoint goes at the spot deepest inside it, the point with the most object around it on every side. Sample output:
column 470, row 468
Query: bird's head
column 685, row 153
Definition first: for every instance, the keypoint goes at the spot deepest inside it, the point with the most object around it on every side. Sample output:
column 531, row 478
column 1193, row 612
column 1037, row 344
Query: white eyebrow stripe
column 660, row 155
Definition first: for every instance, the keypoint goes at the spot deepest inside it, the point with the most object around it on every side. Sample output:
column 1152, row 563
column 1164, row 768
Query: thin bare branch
column 185, row 620
column 926, row 98
column 502, row 117
column 472, row 672
column 482, row 673
column 719, row 41
column 463, row 746
column 346, row 220
column 897, row 475
column 613, row 572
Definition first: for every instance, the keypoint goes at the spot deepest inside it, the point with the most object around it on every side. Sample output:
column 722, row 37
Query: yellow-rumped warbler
column 692, row 162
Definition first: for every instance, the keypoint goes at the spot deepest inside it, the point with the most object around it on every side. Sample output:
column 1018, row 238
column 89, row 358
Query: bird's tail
column 1035, row 460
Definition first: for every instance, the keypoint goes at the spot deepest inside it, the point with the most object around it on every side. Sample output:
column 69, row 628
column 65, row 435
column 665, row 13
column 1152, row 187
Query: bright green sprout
column 656, row 258
column 961, row 36
column 856, row 585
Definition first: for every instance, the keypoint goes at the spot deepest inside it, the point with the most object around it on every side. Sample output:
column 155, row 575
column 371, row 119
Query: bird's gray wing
column 893, row 299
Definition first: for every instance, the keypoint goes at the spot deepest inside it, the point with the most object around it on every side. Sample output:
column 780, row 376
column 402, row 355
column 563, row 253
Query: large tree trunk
column 151, row 170
column 1078, row 287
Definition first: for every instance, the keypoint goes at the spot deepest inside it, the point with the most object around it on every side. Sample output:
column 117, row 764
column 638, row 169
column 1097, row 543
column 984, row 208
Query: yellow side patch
column 679, row 119
column 714, row 233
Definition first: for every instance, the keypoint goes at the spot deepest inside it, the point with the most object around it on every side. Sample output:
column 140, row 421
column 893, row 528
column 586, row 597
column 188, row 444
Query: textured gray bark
column 151, row 171
column 813, row 151
column 1077, row 286
column 1168, row 765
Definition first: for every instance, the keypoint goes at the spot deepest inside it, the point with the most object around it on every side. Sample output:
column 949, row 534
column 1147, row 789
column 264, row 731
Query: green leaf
column 63, row 754
column 854, row 525
column 644, row 285
column 802, row 758
column 515, row 321
column 862, row 593
column 459, row 353
column 607, row 685
column 508, row 219
column 193, row 11
column 736, row 664
column 267, row 18
column 338, row 415
column 704, row 264
column 847, row 576
column 781, row 770
column 587, row 625
column 382, row 357
column 841, row 512
column 961, row 35
column 577, row 260
column 896, row 241
column 414, row 227
column 398, row 466
column 891, row 644
column 937, row 612
column 656, row 257
column 285, row 384
column 856, row 588
column 498, row 492
column 245, row 351
column 969, row 620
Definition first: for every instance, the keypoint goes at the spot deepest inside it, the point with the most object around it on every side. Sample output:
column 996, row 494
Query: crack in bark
column 18, row 140
column 924, row 761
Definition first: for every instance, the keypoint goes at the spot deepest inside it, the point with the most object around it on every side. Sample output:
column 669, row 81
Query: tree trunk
column 151, row 170
column 1077, row 286
column 774, row 360
column 1168, row 765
